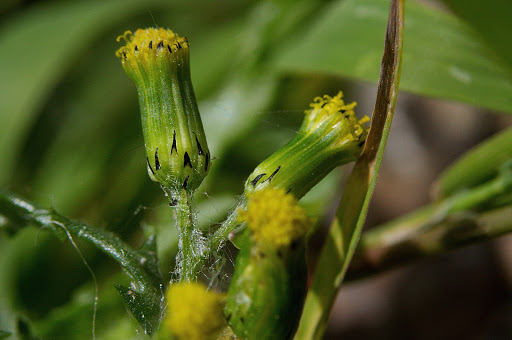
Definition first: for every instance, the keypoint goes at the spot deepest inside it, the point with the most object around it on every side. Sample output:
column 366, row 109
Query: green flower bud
column 330, row 135
column 268, row 288
column 157, row 60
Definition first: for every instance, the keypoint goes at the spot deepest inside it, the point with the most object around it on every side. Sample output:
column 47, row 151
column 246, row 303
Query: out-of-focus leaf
column 477, row 166
column 4, row 334
column 37, row 48
column 252, row 84
column 97, row 127
column 491, row 19
column 409, row 237
column 443, row 57
column 74, row 319
column 235, row 109
column 211, row 58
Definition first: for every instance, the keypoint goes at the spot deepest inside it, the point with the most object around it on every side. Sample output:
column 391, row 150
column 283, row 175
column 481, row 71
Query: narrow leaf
column 345, row 232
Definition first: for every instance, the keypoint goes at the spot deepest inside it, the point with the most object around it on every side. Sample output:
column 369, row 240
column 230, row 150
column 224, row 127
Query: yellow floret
column 193, row 313
column 275, row 218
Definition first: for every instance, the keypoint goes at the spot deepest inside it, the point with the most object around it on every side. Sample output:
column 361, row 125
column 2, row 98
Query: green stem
column 193, row 258
column 190, row 244
column 450, row 223
column 406, row 239
column 220, row 236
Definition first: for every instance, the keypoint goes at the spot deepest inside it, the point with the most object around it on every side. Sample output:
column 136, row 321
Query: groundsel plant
column 248, row 274
column 268, row 295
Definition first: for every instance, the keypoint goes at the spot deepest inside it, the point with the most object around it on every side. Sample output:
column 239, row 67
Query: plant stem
column 218, row 238
column 407, row 239
column 190, row 244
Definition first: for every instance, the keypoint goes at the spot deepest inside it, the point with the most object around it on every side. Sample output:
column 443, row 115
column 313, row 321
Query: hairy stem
column 190, row 244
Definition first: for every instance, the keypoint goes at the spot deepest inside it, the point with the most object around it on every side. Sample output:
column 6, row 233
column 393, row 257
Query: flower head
column 193, row 313
column 330, row 135
column 157, row 60
column 275, row 218
column 267, row 291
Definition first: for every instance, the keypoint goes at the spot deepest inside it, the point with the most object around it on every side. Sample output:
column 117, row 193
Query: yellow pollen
column 275, row 218
column 335, row 110
column 193, row 313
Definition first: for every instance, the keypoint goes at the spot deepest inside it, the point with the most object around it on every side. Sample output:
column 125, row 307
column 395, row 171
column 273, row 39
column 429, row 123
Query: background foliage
column 71, row 137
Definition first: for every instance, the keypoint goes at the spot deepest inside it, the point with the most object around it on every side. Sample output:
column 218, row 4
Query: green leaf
column 145, row 307
column 37, row 49
column 4, row 334
column 74, row 319
column 141, row 266
column 443, row 57
column 345, row 232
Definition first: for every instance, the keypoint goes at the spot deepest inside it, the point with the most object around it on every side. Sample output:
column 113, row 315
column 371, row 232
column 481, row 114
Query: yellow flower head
column 332, row 112
column 193, row 313
column 275, row 218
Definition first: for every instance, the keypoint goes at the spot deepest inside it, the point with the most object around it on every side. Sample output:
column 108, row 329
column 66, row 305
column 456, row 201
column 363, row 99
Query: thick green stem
column 194, row 250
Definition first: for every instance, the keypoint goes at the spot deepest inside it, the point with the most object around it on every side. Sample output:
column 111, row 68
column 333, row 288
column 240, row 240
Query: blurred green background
column 70, row 138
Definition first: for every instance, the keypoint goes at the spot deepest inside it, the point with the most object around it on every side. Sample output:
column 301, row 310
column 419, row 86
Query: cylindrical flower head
column 330, row 135
column 268, row 288
column 157, row 60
